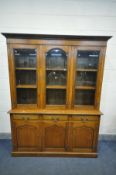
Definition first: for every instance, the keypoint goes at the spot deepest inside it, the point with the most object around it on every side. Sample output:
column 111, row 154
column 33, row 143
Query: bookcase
column 55, row 83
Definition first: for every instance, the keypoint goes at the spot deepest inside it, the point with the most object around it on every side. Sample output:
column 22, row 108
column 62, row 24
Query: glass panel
column 56, row 78
column 56, row 58
column 25, row 57
column 25, row 77
column 86, row 78
column 56, row 73
column 56, row 97
column 26, row 96
column 87, row 59
column 25, row 63
column 84, row 97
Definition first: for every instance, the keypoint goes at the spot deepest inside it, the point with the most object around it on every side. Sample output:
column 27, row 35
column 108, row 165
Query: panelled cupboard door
column 26, row 135
column 84, row 136
column 88, row 61
column 24, row 72
column 54, row 136
column 55, row 70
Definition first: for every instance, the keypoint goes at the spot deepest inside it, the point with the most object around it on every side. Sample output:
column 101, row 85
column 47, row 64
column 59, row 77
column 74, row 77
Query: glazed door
column 55, row 76
column 88, row 63
column 25, row 75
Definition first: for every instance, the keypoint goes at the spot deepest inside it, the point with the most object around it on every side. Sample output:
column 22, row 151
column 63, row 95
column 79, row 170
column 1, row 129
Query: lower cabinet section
column 84, row 136
column 55, row 135
column 26, row 133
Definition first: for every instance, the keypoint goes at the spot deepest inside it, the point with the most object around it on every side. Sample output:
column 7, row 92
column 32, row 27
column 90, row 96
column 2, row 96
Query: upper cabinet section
column 86, row 75
column 56, row 72
column 25, row 72
column 56, row 68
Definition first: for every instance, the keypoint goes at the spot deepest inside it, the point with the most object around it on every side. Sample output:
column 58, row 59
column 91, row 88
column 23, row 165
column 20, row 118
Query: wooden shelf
column 55, row 87
column 87, row 70
column 56, row 69
column 26, row 86
column 85, row 87
column 25, row 68
column 34, row 110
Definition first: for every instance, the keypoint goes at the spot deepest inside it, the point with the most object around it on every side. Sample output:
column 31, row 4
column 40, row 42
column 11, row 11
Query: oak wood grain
column 65, row 130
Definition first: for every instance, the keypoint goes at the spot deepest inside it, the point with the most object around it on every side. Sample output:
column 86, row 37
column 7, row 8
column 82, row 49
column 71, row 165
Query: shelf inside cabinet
column 25, row 68
column 87, row 70
column 26, row 86
column 56, row 69
column 85, row 87
column 55, row 87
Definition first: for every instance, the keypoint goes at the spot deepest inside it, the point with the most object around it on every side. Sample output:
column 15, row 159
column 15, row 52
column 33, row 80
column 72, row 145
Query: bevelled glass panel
column 25, row 77
column 56, row 75
column 56, row 97
column 56, row 58
column 87, row 59
column 84, row 97
column 25, row 57
column 56, row 78
column 86, row 78
column 26, row 96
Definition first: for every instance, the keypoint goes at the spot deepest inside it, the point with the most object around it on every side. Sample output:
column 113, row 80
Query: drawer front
column 84, row 118
column 55, row 117
column 25, row 117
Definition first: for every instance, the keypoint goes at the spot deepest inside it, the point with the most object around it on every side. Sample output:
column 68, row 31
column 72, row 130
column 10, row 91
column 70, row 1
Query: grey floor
column 105, row 164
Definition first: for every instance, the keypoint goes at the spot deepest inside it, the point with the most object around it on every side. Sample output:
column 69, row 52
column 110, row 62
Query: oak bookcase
column 55, row 83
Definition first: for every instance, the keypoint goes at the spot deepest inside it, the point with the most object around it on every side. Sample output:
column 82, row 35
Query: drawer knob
column 56, row 119
column 84, row 119
column 25, row 118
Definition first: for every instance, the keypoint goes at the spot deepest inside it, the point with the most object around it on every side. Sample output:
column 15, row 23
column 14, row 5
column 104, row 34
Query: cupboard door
column 26, row 62
column 84, row 135
column 54, row 135
column 26, row 134
column 55, row 69
column 86, row 61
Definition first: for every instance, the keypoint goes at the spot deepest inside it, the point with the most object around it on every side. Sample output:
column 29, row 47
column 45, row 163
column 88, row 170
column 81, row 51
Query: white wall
column 74, row 17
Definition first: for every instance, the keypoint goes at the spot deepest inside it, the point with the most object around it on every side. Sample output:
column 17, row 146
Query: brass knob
column 56, row 119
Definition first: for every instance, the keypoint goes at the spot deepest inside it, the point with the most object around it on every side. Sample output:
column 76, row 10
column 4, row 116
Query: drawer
column 84, row 118
column 55, row 117
column 25, row 117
